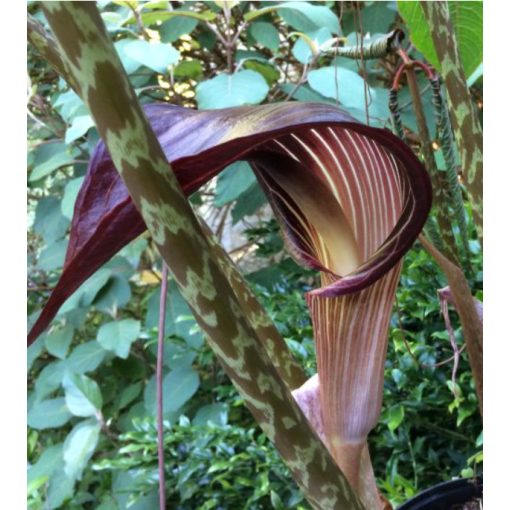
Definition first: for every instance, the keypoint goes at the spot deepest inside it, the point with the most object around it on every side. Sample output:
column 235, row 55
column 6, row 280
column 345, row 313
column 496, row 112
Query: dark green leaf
column 48, row 414
column 225, row 90
column 233, row 181
column 118, row 336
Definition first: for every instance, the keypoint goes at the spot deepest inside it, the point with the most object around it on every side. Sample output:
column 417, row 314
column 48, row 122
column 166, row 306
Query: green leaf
column 34, row 351
column 267, row 70
column 78, row 128
column 157, row 56
column 53, row 256
column 114, row 295
column 304, row 93
column 248, row 202
column 79, row 447
column 85, row 358
column 225, row 90
column 118, row 336
column 61, row 489
column 48, row 414
column 127, row 395
column 70, row 193
column 130, row 65
column 301, row 49
column 215, row 413
column 265, row 34
column 303, row 16
column 49, row 222
column 347, row 85
column 58, row 341
column 395, row 416
column 173, row 28
column 49, row 379
column 150, row 18
column 180, row 385
column 233, row 181
column 49, row 157
column 85, row 294
column 68, row 105
column 48, row 462
column 133, row 251
column 467, row 21
column 376, row 17
column 83, row 396
column 189, row 69
column 125, row 485
column 276, row 501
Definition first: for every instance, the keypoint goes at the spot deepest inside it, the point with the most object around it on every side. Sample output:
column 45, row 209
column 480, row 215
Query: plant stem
column 469, row 317
column 440, row 199
column 159, row 386
column 222, row 313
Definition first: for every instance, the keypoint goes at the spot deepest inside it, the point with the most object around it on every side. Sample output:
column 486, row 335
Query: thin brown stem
column 159, row 386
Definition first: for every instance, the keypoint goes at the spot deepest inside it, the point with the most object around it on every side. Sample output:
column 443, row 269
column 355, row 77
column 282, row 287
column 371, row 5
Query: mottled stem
column 159, row 385
column 88, row 53
column 466, row 125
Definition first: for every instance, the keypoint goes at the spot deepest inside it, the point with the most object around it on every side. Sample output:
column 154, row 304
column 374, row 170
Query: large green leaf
column 173, row 28
column 53, row 256
column 48, row 414
column 79, row 446
column 265, row 34
column 336, row 82
column 83, row 396
column 70, row 193
column 225, row 90
column 78, row 128
column 58, row 341
column 179, row 386
column 61, row 488
column 49, row 222
column 49, row 157
column 86, row 357
column 48, row 462
column 215, row 413
column 86, row 293
column 302, row 51
column 49, row 379
column 117, row 336
column 157, row 56
column 467, row 21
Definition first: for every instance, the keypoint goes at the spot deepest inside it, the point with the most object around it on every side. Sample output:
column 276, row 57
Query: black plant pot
column 445, row 496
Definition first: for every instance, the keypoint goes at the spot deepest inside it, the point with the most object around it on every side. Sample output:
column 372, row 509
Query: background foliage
column 91, row 434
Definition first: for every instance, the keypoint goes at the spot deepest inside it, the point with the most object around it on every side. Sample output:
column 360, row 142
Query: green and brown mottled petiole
column 89, row 58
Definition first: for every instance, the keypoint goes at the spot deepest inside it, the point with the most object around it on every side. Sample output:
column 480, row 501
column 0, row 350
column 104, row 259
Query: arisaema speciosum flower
column 351, row 200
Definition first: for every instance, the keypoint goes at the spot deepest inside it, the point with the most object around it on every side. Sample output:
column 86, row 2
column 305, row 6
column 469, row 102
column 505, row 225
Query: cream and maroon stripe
column 362, row 177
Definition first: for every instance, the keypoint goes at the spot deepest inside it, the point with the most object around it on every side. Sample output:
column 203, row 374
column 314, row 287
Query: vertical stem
column 88, row 52
column 445, row 226
column 159, row 386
